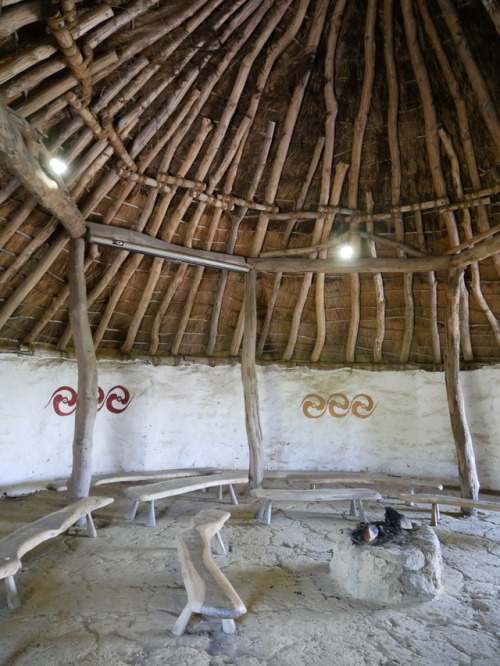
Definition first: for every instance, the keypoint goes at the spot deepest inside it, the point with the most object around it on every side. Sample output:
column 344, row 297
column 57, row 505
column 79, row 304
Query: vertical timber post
column 86, row 406
column 249, row 377
column 469, row 482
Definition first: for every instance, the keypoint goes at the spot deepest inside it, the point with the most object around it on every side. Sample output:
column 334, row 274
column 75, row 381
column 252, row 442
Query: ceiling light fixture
column 346, row 251
column 57, row 165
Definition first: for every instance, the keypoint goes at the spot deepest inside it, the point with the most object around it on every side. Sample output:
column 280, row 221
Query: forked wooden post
column 469, row 483
column 250, row 389
column 86, row 407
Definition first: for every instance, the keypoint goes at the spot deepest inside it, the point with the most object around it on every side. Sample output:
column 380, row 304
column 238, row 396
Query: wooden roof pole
column 338, row 183
column 432, row 282
column 357, row 145
column 86, row 405
column 274, row 51
column 486, row 105
column 250, row 388
column 282, row 150
column 134, row 111
column 207, row 161
column 20, row 293
column 493, row 10
column 224, row 275
column 234, row 153
column 467, row 227
column 469, row 482
column 394, row 149
column 190, row 76
column 379, row 291
column 433, row 151
column 462, row 116
column 155, row 270
column 113, row 209
column 271, row 303
column 328, row 195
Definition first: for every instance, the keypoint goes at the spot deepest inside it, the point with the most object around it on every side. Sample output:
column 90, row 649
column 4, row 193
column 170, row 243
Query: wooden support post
column 86, row 407
column 469, row 483
column 249, row 377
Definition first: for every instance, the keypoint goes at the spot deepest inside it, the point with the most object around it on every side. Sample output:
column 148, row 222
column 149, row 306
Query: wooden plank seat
column 125, row 477
column 154, row 491
column 17, row 544
column 315, row 478
column 209, row 592
column 448, row 500
column 353, row 495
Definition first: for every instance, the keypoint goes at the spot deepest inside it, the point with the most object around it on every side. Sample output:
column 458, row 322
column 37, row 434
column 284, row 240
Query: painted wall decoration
column 338, row 405
column 116, row 400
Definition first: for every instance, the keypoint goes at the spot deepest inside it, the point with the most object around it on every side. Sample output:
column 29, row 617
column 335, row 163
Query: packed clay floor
column 112, row 600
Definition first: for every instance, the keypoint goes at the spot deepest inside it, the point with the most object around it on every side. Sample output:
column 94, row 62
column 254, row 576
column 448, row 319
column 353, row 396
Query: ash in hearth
column 395, row 527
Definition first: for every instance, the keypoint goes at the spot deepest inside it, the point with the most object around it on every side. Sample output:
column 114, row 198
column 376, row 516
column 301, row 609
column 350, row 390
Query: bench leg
column 353, row 512
column 151, row 521
column 361, row 511
column 260, row 510
column 181, row 623
column 264, row 509
column 228, row 626
column 435, row 515
column 220, row 493
column 268, row 511
column 220, row 547
column 234, row 499
column 132, row 511
column 91, row 531
column 11, row 593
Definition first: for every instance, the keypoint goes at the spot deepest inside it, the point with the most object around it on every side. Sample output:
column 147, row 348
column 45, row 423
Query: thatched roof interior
column 225, row 127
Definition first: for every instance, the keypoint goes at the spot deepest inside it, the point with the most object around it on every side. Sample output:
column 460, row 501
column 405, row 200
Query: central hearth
column 384, row 562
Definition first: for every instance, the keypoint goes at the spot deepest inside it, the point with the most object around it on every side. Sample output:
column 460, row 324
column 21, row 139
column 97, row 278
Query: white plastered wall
column 193, row 415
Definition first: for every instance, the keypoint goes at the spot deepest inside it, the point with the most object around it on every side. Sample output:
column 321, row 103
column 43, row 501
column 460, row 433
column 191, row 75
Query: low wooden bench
column 353, row 495
column 449, row 500
column 17, row 544
column 314, row 479
column 209, row 592
column 154, row 491
column 124, row 477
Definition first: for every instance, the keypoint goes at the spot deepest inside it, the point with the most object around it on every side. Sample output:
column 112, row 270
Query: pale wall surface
column 193, row 415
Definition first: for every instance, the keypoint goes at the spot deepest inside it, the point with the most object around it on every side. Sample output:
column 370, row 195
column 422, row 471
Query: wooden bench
column 153, row 491
column 449, row 500
column 125, row 477
column 208, row 590
column 314, row 479
column 17, row 544
column 353, row 495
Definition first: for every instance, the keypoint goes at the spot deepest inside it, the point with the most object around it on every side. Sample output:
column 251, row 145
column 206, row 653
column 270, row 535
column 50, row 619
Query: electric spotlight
column 346, row 251
column 57, row 165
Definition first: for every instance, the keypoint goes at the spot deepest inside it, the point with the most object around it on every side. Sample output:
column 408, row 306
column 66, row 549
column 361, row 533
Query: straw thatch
column 254, row 128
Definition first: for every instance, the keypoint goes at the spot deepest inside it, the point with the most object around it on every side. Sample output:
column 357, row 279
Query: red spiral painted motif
column 113, row 398
column 63, row 404
column 64, row 400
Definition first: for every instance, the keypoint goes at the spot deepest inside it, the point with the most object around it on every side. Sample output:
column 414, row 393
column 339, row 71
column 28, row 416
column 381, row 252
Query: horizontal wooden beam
column 135, row 241
column 334, row 266
column 480, row 251
column 343, row 238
